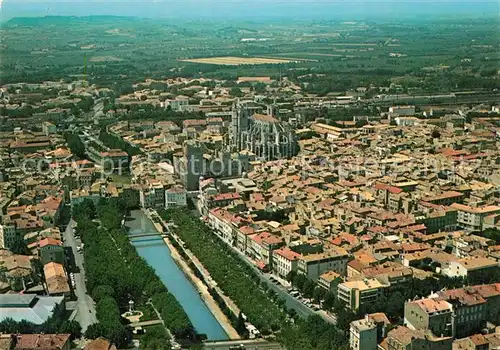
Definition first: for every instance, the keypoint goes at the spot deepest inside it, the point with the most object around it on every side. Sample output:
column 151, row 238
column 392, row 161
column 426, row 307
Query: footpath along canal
column 157, row 254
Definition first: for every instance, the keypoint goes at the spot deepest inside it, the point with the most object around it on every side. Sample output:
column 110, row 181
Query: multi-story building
column 329, row 281
column 225, row 224
column 402, row 110
column 8, row 235
column 175, row 197
column 152, row 196
column 17, row 272
column 313, row 265
column 51, row 250
column 357, row 293
column 262, row 246
column 472, row 218
column 285, row 261
column 432, row 314
column 363, row 335
column 48, row 128
column 56, row 279
column 472, row 307
column 190, row 165
column 403, row 338
column 471, row 267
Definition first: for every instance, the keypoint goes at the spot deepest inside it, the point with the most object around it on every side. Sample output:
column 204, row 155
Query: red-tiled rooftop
column 49, row 241
column 227, row 196
column 391, row 189
column 114, row 154
column 41, row 341
column 194, row 122
column 287, row 253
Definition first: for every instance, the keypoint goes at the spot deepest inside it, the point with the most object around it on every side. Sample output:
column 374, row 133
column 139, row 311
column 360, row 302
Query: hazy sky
column 253, row 9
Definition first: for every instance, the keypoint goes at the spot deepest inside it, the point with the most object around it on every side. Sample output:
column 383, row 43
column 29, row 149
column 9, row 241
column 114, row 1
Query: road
column 85, row 305
column 145, row 323
column 247, row 345
column 290, row 302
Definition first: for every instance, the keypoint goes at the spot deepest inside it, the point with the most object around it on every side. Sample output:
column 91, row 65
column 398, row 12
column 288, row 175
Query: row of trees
column 261, row 305
column 117, row 274
column 116, row 142
column 75, row 144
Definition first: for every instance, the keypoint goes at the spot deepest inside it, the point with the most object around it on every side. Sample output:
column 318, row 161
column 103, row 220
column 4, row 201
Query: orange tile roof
column 432, row 305
column 49, row 241
column 41, row 341
column 287, row 253
column 392, row 189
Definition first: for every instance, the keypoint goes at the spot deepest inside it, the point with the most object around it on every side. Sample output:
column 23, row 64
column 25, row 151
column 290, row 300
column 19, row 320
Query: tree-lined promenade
column 117, row 274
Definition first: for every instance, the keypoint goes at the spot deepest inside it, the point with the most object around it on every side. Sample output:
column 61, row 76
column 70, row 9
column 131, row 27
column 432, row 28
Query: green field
column 117, row 52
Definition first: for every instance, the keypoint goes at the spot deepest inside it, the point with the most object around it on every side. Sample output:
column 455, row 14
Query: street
column 290, row 302
column 85, row 305
column 243, row 345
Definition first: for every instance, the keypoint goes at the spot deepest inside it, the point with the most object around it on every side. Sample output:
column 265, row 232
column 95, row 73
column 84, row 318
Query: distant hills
column 397, row 10
column 65, row 20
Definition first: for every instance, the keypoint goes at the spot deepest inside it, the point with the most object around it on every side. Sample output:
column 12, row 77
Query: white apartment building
column 314, row 265
column 356, row 293
column 468, row 266
column 363, row 335
column 175, row 197
column 406, row 121
column 152, row 196
column 221, row 222
column 285, row 261
column 402, row 110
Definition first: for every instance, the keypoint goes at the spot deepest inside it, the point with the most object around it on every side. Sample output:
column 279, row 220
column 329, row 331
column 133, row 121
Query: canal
column 157, row 254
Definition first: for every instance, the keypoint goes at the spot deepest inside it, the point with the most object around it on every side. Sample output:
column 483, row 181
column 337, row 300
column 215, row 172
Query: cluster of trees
column 116, row 142
column 86, row 103
column 156, row 338
column 173, row 315
column 21, row 112
column 57, row 323
column 308, row 135
column 116, row 274
column 492, row 233
column 110, row 322
column 75, row 144
column 313, row 334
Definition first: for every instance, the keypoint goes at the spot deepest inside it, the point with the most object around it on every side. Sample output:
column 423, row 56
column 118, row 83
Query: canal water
column 157, row 254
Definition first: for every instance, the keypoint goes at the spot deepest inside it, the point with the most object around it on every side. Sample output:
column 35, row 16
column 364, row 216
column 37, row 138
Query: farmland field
column 236, row 61
column 440, row 56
